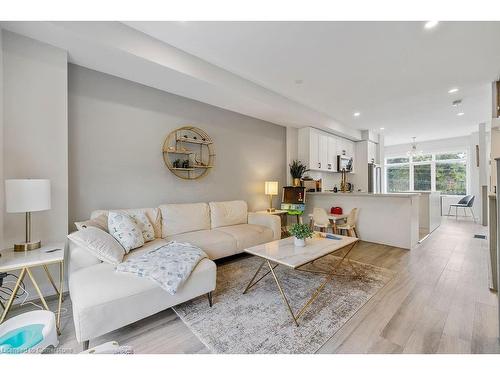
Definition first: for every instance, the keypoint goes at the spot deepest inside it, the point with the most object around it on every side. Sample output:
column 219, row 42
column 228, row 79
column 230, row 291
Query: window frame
column 432, row 163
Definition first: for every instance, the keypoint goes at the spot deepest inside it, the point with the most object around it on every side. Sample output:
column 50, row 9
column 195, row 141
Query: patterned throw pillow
column 125, row 229
column 148, row 232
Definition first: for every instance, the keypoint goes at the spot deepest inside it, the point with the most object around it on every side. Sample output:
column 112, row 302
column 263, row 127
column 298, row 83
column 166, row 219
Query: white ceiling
column 396, row 74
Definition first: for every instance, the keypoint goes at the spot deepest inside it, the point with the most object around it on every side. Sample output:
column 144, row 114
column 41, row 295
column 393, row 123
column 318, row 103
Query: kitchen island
column 388, row 219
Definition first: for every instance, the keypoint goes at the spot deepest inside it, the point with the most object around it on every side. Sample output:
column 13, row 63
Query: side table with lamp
column 292, row 203
column 27, row 196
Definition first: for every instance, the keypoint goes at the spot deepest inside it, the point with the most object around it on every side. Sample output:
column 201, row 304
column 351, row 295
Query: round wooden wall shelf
column 188, row 152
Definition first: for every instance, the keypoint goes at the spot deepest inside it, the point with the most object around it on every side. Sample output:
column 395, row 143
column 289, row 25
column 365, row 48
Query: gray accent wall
column 116, row 132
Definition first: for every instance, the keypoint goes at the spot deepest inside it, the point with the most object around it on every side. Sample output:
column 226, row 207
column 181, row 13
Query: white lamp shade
column 271, row 187
column 27, row 195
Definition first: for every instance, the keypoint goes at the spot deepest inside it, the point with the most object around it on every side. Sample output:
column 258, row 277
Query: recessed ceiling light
column 382, row 128
column 452, row 91
column 431, row 24
column 460, row 114
column 356, row 114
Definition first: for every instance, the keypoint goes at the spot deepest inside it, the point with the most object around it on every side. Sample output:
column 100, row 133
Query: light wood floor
column 439, row 302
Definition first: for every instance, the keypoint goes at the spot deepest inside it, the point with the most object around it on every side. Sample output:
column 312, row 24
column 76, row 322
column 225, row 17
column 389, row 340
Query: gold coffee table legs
column 330, row 274
column 22, row 275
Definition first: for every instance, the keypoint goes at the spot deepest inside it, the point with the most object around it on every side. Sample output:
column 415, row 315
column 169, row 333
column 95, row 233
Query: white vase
column 301, row 242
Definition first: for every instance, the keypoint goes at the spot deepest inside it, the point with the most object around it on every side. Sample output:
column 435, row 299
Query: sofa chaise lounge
column 104, row 300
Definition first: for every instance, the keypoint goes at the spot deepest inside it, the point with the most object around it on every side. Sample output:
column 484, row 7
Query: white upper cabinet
column 323, row 152
column 319, row 150
column 332, row 154
column 314, row 162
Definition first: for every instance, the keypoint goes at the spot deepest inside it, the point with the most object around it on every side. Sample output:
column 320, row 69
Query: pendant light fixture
column 413, row 150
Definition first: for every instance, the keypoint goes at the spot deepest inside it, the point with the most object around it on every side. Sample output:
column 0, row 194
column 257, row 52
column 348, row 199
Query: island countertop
column 389, row 219
column 363, row 194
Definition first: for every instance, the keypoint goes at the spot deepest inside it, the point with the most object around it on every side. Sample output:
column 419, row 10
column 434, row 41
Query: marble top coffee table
column 284, row 253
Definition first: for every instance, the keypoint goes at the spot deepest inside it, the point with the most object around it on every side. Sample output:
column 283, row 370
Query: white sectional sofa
column 104, row 300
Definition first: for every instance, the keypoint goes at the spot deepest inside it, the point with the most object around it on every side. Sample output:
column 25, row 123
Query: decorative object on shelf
column 343, row 181
column 197, row 148
column 27, row 196
column 297, row 170
column 271, row 188
column 300, row 233
column 413, row 151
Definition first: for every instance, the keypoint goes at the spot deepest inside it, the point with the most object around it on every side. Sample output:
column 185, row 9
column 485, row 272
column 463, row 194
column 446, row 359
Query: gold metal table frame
column 330, row 274
column 59, row 291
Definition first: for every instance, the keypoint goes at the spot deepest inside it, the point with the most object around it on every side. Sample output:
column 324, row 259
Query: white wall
column 35, row 130
column 292, row 139
column 2, row 194
column 448, row 144
column 35, row 137
column 116, row 131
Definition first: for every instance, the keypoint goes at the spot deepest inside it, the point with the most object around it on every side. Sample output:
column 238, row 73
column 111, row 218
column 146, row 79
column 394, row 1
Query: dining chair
column 320, row 219
column 465, row 202
column 350, row 225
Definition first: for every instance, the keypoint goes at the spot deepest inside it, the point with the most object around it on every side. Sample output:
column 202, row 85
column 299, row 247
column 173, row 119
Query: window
column 451, row 174
column 445, row 172
column 398, row 178
column 422, row 177
column 418, row 158
column 397, row 160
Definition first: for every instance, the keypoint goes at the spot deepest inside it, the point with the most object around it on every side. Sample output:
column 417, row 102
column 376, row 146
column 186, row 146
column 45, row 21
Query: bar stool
column 350, row 226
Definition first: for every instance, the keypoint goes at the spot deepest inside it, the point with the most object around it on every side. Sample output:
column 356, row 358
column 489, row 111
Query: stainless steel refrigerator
column 374, row 178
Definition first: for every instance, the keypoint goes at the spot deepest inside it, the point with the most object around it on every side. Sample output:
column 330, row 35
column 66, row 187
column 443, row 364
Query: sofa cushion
column 183, row 218
column 215, row 244
column 223, row 214
column 153, row 214
column 100, row 244
column 248, row 235
column 125, row 229
column 104, row 300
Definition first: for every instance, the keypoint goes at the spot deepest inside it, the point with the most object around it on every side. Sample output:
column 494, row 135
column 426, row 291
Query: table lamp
column 27, row 195
column 271, row 188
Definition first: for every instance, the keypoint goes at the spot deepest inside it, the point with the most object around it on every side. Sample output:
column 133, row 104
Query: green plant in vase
column 297, row 170
column 300, row 233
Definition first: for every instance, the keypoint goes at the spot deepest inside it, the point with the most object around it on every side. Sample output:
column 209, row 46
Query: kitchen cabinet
column 314, row 162
column 323, row 152
column 332, row 154
column 318, row 149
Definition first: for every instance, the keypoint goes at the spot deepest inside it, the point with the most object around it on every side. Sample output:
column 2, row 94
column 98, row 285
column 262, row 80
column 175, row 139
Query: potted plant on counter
column 297, row 170
column 300, row 233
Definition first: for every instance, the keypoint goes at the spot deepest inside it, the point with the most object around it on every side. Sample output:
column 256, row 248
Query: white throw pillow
column 148, row 232
column 125, row 229
column 101, row 244
column 100, row 222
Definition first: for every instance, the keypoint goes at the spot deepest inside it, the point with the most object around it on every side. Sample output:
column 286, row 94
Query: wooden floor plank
column 438, row 302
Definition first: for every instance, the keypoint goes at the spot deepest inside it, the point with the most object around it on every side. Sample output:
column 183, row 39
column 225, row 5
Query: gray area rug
column 259, row 322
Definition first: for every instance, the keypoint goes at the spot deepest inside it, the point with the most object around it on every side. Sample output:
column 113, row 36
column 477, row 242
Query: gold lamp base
column 27, row 246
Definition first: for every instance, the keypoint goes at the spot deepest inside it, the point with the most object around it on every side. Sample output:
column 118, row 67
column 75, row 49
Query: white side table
column 26, row 261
